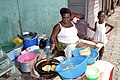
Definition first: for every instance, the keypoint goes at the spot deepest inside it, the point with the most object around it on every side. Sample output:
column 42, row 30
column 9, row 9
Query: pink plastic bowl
column 26, row 58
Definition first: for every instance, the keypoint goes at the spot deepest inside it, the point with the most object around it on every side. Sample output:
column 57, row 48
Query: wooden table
column 81, row 44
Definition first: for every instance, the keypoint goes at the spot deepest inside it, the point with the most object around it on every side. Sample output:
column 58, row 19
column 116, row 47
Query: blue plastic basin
column 79, row 65
column 91, row 59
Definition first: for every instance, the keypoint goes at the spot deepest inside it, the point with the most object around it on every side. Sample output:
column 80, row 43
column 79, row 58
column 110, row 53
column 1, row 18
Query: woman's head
column 101, row 16
column 66, row 15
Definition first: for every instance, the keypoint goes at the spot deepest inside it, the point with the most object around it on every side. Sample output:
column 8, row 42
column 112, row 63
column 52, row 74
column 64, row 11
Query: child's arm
column 111, row 27
column 93, row 29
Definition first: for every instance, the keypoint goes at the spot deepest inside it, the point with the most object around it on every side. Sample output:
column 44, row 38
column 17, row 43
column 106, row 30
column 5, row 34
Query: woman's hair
column 64, row 11
column 100, row 12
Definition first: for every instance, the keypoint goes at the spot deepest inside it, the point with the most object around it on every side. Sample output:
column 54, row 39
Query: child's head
column 101, row 16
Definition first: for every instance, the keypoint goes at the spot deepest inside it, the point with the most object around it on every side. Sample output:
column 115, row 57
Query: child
column 100, row 30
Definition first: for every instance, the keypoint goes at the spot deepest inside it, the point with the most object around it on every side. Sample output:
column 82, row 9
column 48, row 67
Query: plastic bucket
column 30, row 42
column 9, row 49
column 29, row 39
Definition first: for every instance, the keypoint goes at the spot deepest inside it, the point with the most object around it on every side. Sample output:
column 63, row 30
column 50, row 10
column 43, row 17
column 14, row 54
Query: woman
column 65, row 32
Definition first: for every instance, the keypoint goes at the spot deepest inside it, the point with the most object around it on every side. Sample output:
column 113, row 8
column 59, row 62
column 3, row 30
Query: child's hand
column 87, row 25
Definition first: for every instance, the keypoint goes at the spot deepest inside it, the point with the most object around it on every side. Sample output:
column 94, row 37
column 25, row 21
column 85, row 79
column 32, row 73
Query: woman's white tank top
column 68, row 35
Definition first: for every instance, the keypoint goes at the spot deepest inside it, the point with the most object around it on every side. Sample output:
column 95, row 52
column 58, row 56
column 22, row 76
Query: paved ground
column 112, row 50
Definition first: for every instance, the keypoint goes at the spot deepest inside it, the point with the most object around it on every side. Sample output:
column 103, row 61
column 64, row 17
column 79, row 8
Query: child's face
column 101, row 17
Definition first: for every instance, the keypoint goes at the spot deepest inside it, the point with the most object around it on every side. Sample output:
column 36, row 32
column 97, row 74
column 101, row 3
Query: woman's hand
column 52, row 46
column 88, row 38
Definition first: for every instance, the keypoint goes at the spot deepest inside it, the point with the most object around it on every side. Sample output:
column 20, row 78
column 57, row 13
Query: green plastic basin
column 92, row 73
column 7, row 47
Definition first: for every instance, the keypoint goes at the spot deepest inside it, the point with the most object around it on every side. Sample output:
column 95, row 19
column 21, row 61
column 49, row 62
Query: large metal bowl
column 48, row 75
column 24, row 61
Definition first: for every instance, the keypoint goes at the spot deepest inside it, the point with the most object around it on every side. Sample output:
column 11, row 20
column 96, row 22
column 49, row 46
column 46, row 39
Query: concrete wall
column 89, row 8
column 35, row 15
column 78, row 6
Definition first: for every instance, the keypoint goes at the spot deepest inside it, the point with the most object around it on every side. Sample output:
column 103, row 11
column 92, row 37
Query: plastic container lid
column 26, row 57
column 7, row 47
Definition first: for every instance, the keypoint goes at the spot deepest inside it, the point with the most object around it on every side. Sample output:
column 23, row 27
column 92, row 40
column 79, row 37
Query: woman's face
column 66, row 18
column 101, row 17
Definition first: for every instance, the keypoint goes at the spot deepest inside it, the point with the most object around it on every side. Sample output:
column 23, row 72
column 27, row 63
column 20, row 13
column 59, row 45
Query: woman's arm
column 93, row 29
column 53, row 37
column 111, row 27
column 83, row 36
